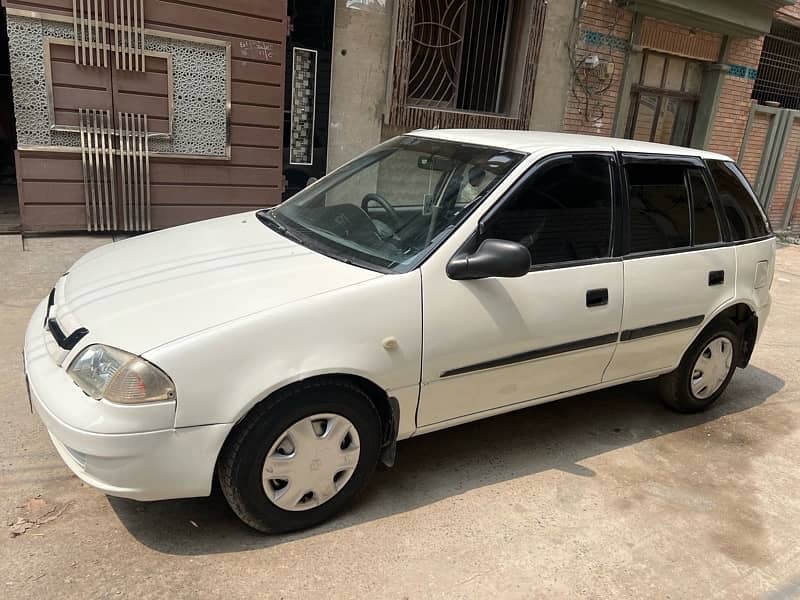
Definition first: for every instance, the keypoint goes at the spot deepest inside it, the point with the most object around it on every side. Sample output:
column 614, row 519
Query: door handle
column 598, row 297
column 716, row 277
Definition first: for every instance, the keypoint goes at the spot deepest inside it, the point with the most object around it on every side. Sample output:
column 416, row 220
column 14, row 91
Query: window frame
column 620, row 207
column 400, row 112
column 638, row 89
column 477, row 236
column 499, row 52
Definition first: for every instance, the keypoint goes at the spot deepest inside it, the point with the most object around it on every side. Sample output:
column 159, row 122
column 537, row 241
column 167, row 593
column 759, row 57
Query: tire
column 676, row 388
column 242, row 465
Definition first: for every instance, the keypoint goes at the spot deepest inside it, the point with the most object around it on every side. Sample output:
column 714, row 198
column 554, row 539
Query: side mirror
column 493, row 258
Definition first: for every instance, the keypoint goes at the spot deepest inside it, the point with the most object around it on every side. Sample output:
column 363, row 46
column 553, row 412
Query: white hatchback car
column 442, row 277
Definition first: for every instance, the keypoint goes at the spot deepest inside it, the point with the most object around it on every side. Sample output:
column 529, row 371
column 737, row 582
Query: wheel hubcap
column 310, row 462
column 712, row 367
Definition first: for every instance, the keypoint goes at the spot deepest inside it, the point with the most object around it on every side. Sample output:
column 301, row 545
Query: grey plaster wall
column 361, row 54
column 553, row 75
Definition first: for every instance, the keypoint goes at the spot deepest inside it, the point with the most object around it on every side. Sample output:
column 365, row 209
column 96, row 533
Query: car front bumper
column 154, row 461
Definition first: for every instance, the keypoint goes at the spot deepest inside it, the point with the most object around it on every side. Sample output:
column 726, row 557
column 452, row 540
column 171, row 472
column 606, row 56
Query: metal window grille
column 458, row 52
column 450, row 65
column 664, row 101
column 778, row 78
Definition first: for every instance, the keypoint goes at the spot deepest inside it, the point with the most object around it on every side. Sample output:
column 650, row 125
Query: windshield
column 389, row 208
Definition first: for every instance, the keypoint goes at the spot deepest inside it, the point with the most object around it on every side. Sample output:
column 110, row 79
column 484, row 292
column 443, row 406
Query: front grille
column 66, row 341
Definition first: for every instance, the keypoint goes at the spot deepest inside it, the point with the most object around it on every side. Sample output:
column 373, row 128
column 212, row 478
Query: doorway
column 9, row 204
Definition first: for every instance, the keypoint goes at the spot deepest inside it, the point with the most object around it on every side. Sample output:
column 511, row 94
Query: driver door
column 490, row 344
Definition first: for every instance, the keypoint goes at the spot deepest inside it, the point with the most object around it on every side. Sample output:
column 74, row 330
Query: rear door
column 678, row 268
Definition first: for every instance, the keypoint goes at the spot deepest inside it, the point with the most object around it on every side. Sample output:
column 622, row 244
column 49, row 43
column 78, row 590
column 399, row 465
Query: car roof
column 545, row 142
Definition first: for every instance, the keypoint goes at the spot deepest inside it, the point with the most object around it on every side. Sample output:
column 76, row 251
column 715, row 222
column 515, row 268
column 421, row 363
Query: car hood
column 149, row 290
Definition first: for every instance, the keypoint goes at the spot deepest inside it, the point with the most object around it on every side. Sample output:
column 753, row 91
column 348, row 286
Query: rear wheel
column 300, row 456
column 705, row 370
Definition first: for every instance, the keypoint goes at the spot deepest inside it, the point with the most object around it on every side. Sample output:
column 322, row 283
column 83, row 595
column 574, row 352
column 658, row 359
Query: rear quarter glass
column 739, row 204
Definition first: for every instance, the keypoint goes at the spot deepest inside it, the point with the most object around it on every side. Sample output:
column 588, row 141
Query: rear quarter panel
column 747, row 258
column 748, row 255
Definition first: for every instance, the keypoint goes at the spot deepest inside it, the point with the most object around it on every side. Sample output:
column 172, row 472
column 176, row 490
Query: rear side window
column 562, row 212
column 745, row 217
column 659, row 207
column 706, row 225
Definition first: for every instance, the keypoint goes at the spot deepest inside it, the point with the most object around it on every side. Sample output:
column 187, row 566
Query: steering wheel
column 384, row 204
column 350, row 222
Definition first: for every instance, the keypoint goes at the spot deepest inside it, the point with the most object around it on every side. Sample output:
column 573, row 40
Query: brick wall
column 680, row 40
column 734, row 102
column 793, row 12
column 603, row 30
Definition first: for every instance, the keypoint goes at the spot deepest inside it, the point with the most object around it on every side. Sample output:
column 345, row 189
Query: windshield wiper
column 270, row 221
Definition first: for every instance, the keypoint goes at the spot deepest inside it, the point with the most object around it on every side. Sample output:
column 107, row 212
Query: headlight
column 117, row 376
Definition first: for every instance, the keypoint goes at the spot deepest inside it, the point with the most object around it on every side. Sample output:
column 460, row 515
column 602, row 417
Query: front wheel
column 705, row 370
column 300, row 456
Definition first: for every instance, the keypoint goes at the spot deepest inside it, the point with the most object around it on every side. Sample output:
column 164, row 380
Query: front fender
column 221, row 373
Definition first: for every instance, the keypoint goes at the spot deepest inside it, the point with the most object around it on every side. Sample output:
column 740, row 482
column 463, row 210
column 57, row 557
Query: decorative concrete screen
column 304, row 89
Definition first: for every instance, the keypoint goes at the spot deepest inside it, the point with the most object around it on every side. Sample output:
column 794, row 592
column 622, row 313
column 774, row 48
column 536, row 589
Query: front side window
column 562, row 212
column 659, row 207
column 387, row 208
column 745, row 217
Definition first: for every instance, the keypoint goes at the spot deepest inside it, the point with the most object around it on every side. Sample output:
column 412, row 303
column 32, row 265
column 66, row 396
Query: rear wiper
column 270, row 221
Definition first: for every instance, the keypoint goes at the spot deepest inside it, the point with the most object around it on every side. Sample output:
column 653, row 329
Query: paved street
column 606, row 494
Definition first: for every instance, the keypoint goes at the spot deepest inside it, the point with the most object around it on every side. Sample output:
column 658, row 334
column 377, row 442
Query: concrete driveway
column 606, row 494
